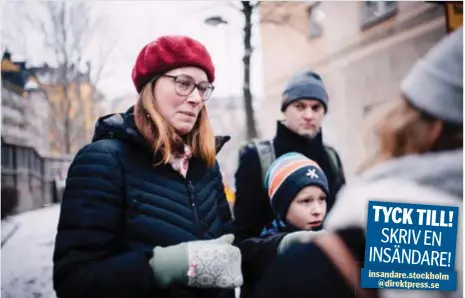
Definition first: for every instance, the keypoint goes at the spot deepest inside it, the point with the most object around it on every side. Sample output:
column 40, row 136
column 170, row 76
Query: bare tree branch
column 67, row 30
column 15, row 38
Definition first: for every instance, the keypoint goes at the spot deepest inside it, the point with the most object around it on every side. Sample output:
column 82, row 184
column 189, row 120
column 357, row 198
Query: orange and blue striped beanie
column 287, row 175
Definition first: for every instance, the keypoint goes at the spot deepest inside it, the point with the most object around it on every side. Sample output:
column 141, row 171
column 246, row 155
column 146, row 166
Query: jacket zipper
column 197, row 221
column 194, row 209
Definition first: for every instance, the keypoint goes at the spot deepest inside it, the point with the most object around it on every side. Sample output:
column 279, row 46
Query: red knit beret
column 167, row 53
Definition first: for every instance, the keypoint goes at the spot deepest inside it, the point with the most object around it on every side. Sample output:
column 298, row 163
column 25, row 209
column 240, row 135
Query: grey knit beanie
column 304, row 85
column 435, row 83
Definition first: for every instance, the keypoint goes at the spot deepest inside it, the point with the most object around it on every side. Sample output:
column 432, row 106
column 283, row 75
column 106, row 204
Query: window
column 30, row 158
column 316, row 17
column 374, row 12
column 7, row 157
column 21, row 158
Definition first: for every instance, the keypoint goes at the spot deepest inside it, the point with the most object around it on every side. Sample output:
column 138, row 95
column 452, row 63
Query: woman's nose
column 194, row 97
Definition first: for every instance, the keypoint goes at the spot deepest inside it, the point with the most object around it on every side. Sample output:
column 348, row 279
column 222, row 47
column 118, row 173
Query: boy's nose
column 316, row 211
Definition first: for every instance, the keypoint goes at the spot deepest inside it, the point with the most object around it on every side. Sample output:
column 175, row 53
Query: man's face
column 304, row 117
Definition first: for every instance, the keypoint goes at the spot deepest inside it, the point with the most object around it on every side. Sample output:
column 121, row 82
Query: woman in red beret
column 144, row 212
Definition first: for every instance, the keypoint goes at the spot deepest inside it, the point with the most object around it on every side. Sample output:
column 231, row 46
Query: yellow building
column 8, row 65
column 81, row 107
column 362, row 50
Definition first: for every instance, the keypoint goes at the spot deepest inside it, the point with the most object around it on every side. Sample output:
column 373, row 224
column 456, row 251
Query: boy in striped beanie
column 297, row 188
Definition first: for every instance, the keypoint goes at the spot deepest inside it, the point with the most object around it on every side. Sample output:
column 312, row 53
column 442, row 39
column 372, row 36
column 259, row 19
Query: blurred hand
column 297, row 237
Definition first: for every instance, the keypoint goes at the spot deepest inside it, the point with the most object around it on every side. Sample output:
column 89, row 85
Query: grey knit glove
column 201, row 264
column 297, row 237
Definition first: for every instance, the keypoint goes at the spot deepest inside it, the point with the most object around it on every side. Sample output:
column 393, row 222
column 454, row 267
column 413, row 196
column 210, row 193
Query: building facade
column 24, row 107
column 361, row 49
column 24, row 138
column 74, row 105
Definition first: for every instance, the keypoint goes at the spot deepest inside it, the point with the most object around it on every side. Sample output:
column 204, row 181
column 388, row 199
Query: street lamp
column 215, row 21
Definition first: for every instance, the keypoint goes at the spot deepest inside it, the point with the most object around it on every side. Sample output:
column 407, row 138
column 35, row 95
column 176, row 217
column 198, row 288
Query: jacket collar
column 287, row 141
column 122, row 126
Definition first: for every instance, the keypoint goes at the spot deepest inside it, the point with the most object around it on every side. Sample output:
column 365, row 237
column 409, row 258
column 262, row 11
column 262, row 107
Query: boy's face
column 308, row 209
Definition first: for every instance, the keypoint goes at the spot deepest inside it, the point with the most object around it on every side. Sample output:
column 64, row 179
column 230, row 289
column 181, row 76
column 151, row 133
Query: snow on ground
column 27, row 255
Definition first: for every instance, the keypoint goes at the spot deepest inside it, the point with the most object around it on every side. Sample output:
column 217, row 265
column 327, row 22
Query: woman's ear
column 434, row 134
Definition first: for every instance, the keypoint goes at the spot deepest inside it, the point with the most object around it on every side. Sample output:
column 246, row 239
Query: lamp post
column 247, row 11
column 216, row 21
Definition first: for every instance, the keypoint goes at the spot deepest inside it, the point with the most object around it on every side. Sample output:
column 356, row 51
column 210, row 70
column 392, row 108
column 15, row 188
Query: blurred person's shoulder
column 351, row 209
column 351, row 206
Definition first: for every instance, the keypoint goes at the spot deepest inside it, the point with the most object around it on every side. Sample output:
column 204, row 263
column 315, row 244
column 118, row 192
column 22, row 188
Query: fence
column 34, row 178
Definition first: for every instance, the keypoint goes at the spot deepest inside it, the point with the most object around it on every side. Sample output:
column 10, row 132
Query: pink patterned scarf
column 180, row 161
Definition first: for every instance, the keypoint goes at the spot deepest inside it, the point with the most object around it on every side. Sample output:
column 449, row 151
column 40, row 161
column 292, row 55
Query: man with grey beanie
column 304, row 105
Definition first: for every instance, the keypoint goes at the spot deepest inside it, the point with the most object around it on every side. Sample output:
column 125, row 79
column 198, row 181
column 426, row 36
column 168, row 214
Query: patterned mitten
column 201, row 264
column 296, row 237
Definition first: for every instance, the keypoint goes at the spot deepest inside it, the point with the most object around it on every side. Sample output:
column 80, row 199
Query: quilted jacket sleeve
column 88, row 261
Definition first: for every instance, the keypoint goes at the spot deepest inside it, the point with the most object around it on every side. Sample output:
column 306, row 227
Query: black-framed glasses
column 184, row 85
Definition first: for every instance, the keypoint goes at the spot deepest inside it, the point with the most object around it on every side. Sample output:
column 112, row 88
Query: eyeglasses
column 184, row 85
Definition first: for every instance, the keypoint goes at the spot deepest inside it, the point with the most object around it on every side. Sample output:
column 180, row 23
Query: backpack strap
column 335, row 164
column 266, row 155
column 341, row 257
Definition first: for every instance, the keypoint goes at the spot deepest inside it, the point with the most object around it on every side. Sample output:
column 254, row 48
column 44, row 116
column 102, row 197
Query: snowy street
column 27, row 254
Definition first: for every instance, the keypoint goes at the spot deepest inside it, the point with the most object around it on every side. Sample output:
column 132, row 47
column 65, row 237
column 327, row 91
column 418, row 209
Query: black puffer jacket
column 117, row 206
